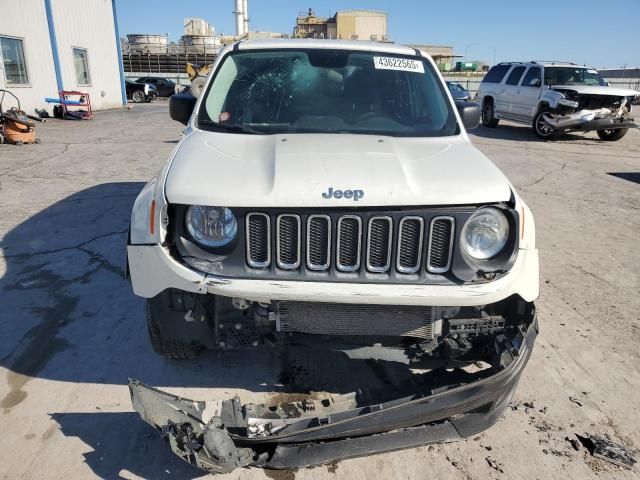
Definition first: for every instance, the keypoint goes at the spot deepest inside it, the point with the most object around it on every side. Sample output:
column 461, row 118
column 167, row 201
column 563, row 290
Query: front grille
column 349, row 246
column 318, row 242
column 288, row 241
column 258, row 240
column 344, row 243
column 440, row 244
column 353, row 319
column 379, row 244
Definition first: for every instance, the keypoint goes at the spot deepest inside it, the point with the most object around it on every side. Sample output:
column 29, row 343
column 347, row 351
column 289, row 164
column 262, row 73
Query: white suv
column 554, row 98
column 327, row 193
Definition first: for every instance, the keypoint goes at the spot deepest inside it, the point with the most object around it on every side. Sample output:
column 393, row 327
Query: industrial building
column 52, row 45
column 346, row 25
column 441, row 54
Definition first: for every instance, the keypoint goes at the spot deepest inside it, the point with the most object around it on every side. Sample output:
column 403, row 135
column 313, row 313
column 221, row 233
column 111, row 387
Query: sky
column 594, row 32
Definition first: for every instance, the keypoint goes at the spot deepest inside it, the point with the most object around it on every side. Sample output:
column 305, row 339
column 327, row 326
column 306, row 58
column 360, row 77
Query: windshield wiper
column 232, row 128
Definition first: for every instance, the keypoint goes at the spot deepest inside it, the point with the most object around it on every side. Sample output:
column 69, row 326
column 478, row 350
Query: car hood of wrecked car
column 298, row 170
column 597, row 90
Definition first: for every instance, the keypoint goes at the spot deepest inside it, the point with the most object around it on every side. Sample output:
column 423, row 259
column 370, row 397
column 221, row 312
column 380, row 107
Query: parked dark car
column 140, row 92
column 458, row 92
column 165, row 87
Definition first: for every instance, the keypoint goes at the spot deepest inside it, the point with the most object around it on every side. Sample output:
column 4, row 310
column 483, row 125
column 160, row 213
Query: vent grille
column 349, row 240
column 353, row 319
column 288, row 242
column 410, row 237
column 258, row 244
column 379, row 244
column 440, row 244
column 318, row 242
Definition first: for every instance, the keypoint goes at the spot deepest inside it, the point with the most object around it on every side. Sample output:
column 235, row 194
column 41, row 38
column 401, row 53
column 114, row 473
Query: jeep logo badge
column 348, row 194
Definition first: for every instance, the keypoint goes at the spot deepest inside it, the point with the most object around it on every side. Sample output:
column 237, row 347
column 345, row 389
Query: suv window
column 533, row 73
column 515, row 76
column 496, row 74
column 327, row 91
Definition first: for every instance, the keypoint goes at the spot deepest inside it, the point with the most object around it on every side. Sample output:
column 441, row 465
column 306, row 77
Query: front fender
column 551, row 98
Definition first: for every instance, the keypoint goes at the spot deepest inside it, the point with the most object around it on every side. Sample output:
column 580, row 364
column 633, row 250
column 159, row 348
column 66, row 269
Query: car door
column 501, row 103
column 510, row 89
column 524, row 102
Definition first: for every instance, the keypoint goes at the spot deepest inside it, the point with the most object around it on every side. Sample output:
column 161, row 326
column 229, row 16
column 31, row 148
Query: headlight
column 485, row 234
column 568, row 103
column 211, row 226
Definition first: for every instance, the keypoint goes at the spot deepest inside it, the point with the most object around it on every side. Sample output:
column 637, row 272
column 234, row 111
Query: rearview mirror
column 469, row 113
column 181, row 107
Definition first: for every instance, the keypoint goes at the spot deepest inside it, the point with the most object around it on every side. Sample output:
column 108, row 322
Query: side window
column 12, row 57
column 496, row 74
column 515, row 76
column 81, row 65
column 533, row 78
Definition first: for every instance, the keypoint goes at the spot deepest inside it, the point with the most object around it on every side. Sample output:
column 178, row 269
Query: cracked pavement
column 71, row 331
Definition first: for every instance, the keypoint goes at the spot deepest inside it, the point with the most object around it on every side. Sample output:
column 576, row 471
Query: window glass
column 327, row 91
column 81, row 65
column 532, row 74
column 12, row 56
column 515, row 76
column 496, row 74
column 572, row 76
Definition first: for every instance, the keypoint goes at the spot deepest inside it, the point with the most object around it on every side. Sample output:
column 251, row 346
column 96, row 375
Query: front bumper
column 219, row 436
column 154, row 270
column 589, row 120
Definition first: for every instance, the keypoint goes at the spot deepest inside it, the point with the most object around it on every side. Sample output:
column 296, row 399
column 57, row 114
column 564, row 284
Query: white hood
column 597, row 90
column 238, row 170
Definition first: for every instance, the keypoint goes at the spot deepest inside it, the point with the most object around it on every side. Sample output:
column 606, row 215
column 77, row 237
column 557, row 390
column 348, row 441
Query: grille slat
column 441, row 235
column 349, row 243
column 288, row 242
column 258, row 226
column 410, row 236
column 379, row 244
column 318, row 242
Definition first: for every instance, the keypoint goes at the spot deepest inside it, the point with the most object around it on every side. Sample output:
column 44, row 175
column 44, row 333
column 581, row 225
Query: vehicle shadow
column 122, row 444
column 515, row 132
column 69, row 315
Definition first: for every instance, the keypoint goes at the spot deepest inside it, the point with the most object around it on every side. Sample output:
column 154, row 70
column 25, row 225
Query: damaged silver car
column 555, row 98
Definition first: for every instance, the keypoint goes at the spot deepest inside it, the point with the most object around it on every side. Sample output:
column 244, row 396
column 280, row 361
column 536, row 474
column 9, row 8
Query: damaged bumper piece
column 221, row 435
column 591, row 119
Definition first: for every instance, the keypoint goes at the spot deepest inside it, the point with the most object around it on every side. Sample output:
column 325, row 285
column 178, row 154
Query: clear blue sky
column 597, row 32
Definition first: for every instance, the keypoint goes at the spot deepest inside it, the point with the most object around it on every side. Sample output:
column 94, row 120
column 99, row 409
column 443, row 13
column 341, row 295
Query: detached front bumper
column 219, row 436
column 589, row 120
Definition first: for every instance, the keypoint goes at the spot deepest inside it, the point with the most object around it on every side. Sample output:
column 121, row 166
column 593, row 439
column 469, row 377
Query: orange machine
column 15, row 125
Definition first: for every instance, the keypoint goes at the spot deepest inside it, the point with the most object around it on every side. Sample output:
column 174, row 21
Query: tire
column 138, row 96
column 170, row 349
column 612, row 135
column 541, row 128
column 488, row 115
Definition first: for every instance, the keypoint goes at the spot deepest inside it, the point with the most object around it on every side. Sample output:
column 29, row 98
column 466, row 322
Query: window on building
column 81, row 64
column 12, row 57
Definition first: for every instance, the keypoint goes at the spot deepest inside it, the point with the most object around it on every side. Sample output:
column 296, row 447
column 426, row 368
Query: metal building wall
column 89, row 24
column 28, row 21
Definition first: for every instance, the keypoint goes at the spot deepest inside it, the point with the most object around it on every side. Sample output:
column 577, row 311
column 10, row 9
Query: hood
column 597, row 90
column 239, row 170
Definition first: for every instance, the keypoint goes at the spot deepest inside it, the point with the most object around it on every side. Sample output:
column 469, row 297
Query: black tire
column 488, row 114
column 541, row 128
column 170, row 349
column 138, row 96
column 612, row 135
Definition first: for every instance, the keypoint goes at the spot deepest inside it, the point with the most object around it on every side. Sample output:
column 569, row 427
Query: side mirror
column 535, row 82
column 181, row 107
column 469, row 113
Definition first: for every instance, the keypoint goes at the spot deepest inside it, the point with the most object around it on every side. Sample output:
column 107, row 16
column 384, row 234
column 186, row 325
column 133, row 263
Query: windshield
column 572, row 76
column 456, row 88
column 326, row 91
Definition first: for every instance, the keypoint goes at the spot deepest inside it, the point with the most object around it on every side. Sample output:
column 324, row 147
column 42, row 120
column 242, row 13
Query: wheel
column 612, row 135
column 170, row 349
column 541, row 128
column 488, row 115
column 138, row 96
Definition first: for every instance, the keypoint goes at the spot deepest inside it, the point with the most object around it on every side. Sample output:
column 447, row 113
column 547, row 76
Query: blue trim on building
column 54, row 44
column 120, row 64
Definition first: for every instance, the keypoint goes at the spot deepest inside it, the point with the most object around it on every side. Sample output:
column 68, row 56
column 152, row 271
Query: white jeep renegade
column 554, row 98
column 327, row 191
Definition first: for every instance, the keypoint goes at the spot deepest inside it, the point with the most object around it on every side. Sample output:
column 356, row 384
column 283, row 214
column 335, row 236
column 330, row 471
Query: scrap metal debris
column 576, row 401
column 604, row 449
column 494, row 464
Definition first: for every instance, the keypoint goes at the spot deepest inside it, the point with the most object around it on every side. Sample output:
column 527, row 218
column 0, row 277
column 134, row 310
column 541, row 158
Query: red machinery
column 81, row 106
